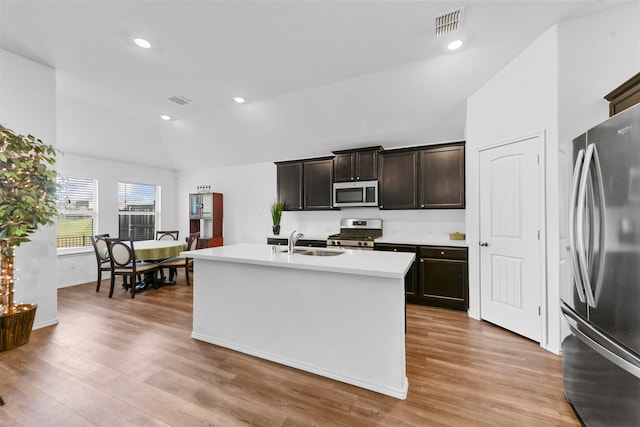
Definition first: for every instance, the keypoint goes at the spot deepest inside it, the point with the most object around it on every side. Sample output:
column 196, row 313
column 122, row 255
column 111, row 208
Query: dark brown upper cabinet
column 356, row 165
column 318, row 184
column 289, row 183
column 305, row 184
column 398, row 179
column 624, row 96
column 441, row 175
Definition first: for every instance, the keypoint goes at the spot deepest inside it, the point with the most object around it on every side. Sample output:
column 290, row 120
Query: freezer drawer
column 601, row 393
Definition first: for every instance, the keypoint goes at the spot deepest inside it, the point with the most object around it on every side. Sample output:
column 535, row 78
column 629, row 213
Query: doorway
column 511, row 209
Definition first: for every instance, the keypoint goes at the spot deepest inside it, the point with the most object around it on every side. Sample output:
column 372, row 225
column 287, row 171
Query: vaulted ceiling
column 316, row 75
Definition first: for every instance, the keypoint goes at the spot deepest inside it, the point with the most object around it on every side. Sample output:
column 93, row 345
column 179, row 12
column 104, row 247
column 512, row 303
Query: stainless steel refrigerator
column 601, row 288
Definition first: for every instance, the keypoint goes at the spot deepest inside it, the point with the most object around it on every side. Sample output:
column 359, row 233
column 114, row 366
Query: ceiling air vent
column 449, row 22
column 180, row 100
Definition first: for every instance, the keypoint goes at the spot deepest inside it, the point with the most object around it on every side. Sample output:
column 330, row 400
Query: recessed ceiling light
column 142, row 43
column 165, row 117
column 239, row 100
column 454, row 45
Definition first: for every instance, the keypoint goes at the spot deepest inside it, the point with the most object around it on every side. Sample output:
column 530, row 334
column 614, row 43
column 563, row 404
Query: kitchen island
column 340, row 316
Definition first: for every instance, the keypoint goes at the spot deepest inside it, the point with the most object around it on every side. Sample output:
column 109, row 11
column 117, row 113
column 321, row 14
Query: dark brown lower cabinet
column 411, row 278
column 283, row 241
column 438, row 277
column 443, row 277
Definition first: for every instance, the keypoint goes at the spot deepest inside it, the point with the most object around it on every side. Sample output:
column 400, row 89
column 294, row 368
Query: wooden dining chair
column 167, row 235
column 124, row 263
column 183, row 262
column 102, row 255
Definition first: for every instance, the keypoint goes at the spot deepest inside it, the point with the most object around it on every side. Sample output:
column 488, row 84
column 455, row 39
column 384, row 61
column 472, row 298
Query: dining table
column 156, row 251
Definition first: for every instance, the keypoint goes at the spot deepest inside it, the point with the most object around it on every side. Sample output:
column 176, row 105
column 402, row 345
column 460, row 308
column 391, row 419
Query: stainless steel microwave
column 354, row 194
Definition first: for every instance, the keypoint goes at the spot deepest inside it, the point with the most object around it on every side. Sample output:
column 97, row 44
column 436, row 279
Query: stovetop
column 356, row 232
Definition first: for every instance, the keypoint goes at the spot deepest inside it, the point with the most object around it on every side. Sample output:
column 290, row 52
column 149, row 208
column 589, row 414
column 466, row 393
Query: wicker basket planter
column 15, row 328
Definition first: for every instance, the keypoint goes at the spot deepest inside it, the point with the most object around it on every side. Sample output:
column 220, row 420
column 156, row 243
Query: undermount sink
column 313, row 252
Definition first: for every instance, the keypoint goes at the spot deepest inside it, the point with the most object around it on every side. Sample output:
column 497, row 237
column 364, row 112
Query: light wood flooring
column 132, row 362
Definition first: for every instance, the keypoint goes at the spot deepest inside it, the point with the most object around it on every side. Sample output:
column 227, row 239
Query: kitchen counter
column 285, row 236
column 364, row 263
column 434, row 240
column 341, row 316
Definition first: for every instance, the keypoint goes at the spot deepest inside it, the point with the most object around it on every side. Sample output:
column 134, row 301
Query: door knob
column 485, row 244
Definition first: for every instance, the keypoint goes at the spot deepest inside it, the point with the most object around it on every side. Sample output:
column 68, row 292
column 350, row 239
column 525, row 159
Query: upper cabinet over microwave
column 356, row 165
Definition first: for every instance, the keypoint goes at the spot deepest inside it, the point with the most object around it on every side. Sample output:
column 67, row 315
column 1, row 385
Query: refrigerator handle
column 601, row 226
column 582, row 255
column 572, row 225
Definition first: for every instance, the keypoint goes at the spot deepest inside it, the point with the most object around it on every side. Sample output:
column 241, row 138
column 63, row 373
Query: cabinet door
column 318, row 183
column 366, row 165
column 411, row 278
column 398, row 180
column 206, row 201
column 343, row 167
column 442, row 177
column 444, row 281
column 290, row 185
column 194, row 206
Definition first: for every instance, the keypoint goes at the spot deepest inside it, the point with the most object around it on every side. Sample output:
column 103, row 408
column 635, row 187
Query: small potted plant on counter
column 27, row 200
column 276, row 215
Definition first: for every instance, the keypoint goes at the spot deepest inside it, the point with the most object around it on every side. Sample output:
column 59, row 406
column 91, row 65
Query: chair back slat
column 121, row 252
column 167, row 235
column 100, row 247
column 192, row 244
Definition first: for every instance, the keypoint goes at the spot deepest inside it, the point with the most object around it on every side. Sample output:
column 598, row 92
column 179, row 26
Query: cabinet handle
column 422, row 206
column 484, row 244
column 357, row 178
column 395, row 250
column 441, row 252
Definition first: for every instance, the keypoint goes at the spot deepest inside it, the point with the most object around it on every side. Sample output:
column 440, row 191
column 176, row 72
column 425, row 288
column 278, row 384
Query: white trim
column 74, row 251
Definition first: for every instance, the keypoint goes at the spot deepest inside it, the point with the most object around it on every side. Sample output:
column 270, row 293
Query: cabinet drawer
column 394, row 248
column 443, row 252
column 301, row 242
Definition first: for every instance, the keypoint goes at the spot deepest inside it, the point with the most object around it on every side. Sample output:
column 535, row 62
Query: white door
column 510, row 259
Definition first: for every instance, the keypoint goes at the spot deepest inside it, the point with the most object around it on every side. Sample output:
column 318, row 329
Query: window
column 76, row 211
column 137, row 210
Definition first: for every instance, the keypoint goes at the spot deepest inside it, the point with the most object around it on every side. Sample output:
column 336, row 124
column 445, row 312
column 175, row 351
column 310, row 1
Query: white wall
column 76, row 268
column 250, row 190
column 596, row 54
column 557, row 86
column 519, row 101
column 28, row 106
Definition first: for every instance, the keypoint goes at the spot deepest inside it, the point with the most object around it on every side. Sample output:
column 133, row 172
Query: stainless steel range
column 356, row 234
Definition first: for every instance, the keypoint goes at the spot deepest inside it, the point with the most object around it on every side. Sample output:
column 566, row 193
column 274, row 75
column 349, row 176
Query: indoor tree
column 27, row 200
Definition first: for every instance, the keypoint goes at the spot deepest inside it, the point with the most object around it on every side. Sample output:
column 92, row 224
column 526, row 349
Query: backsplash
column 418, row 224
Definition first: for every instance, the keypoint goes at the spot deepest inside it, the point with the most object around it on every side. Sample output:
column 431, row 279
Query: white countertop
column 285, row 236
column 365, row 263
column 423, row 241
column 429, row 240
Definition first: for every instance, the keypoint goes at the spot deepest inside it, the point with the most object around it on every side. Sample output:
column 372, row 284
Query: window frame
column 155, row 212
column 62, row 211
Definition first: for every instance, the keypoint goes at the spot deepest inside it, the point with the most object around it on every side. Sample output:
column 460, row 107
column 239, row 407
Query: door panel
column 510, row 261
column 507, row 281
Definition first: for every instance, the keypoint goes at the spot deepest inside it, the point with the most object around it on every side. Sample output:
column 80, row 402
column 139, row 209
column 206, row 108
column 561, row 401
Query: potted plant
column 276, row 215
column 27, row 200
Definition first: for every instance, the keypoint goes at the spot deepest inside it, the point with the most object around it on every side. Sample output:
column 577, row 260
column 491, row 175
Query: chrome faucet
column 293, row 238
